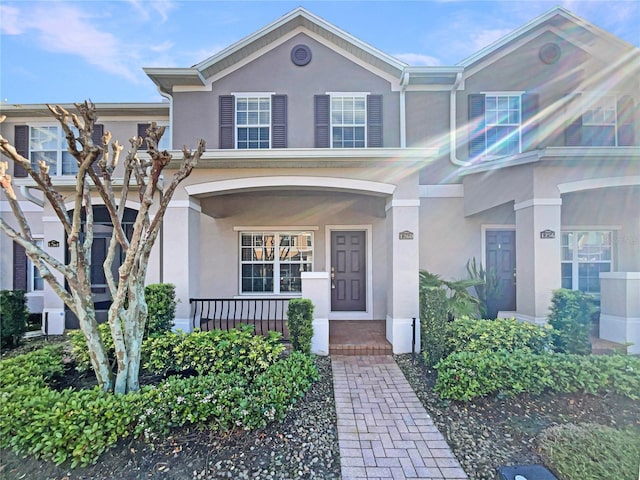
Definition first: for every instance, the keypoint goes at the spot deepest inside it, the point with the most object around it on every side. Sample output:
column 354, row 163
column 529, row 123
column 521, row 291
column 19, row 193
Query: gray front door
column 348, row 271
column 501, row 260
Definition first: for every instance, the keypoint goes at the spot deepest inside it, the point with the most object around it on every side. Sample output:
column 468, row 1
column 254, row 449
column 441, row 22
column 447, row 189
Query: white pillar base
column 53, row 321
column 183, row 324
column 623, row 330
column 402, row 334
column 320, row 340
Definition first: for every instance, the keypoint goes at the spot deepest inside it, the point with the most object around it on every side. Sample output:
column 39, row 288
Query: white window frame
column 575, row 262
column 236, row 126
column 276, row 260
column 60, row 148
column 31, row 270
column 353, row 95
column 487, row 147
column 593, row 101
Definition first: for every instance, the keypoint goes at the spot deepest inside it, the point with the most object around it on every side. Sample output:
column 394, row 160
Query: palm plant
column 460, row 302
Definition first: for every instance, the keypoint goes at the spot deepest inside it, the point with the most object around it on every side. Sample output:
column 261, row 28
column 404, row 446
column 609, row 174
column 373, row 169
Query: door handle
column 333, row 277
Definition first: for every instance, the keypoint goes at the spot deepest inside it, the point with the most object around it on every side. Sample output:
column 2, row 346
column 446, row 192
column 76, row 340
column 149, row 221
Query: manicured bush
column 300, row 324
column 13, row 317
column 215, row 351
column 33, row 368
column 466, row 375
column 161, row 305
column 472, row 335
column 570, row 317
column 433, row 324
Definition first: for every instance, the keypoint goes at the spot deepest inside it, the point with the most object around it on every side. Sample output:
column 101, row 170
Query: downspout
column 168, row 96
column 24, row 191
column 453, row 146
column 404, row 81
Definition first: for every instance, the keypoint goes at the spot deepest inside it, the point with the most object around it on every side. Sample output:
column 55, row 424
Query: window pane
column 44, row 138
column 567, row 275
column 69, row 164
column 51, row 158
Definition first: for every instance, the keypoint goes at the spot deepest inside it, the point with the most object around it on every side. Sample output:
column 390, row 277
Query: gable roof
column 552, row 19
column 198, row 74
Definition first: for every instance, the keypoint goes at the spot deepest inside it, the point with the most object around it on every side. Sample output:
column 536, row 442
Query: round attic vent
column 300, row 55
column 549, row 53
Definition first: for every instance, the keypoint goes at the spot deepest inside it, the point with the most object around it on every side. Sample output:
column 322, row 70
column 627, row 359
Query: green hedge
column 13, row 317
column 501, row 334
column 161, row 305
column 570, row 317
column 433, row 323
column 467, row 375
column 78, row 426
column 300, row 324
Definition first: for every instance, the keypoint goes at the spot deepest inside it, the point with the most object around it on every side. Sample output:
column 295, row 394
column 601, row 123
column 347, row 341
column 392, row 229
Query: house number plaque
column 405, row 235
column 544, row 234
column 53, row 243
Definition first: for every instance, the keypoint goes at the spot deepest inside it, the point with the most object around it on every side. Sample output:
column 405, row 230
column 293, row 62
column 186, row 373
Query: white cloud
column 486, row 37
column 9, row 24
column 156, row 8
column 416, row 59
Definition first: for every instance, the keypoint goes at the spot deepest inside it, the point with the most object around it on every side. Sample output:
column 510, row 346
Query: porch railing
column 264, row 313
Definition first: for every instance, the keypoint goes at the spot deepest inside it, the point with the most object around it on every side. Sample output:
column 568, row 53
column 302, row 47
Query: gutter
column 160, row 186
column 453, row 143
column 404, row 81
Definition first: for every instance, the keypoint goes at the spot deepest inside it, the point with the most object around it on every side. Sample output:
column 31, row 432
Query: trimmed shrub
column 33, row 368
column 570, row 317
column 433, row 324
column 215, row 351
column 467, row 375
column 161, row 305
column 300, row 324
column 13, row 317
column 471, row 335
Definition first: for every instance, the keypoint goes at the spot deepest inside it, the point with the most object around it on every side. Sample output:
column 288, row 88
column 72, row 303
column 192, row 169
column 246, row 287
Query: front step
column 358, row 337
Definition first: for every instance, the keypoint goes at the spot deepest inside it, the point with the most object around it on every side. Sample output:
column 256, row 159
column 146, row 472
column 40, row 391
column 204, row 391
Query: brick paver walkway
column 383, row 429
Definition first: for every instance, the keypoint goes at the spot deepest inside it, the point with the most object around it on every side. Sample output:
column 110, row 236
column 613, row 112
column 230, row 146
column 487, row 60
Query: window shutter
column 227, row 107
column 142, row 132
column 374, row 121
column 477, row 140
column 96, row 138
column 21, row 141
column 321, row 118
column 278, row 121
column 19, row 267
column 573, row 131
column 529, row 122
column 626, row 122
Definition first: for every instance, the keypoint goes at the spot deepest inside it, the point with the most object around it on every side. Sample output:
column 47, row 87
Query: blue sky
column 64, row 51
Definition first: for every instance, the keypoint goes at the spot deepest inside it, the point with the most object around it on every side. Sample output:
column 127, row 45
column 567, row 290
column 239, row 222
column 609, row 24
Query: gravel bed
column 487, row 433
column 304, row 445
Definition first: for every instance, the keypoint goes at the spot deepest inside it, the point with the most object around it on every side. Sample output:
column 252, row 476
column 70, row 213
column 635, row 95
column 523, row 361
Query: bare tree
column 128, row 312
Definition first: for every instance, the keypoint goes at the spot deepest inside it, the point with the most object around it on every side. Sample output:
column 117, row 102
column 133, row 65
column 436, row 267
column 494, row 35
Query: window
column 348, row 121
column 503, row 118
column 584, row 255
column 35, row 281
column 272, row 262
column 253, row 121
column 165, row 141
column 599, row 121
column 48, row 143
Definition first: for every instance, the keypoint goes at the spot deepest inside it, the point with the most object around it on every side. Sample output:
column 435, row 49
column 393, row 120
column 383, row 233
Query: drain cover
column 525, row 472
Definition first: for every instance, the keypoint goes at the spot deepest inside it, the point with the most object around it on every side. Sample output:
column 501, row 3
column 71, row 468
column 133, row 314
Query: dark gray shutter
column 374, row 121
column 278, row 121
column 142, row 132
column 321, row 114
column 626, row 122
column 573, row 131
column 529, row 122
column 227, row 107
column 21, row 142
column 19, row 267
column 477, row 135
column 96, row 138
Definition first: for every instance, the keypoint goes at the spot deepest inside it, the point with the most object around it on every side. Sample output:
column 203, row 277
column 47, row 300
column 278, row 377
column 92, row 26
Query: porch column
column 181, row 256
column 315, row 287
column 53, row 316
column 538, row 257
column 402, row 285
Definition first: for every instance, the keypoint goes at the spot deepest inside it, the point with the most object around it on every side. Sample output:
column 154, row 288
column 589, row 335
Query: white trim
column 442, row 191
column 98, row 201
column 252, row 94
column 348, row 94
column 521, row 317
column 595, row 183
column 573, row 228
column 538, row 202
column 368, row 313
column 401, row 203
column 484, row 228
column 50, row 219
column 620, row 275
column 272, row 228
column 504, row 93
column 25, row 206
column 192, row 203
column 290, row 181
